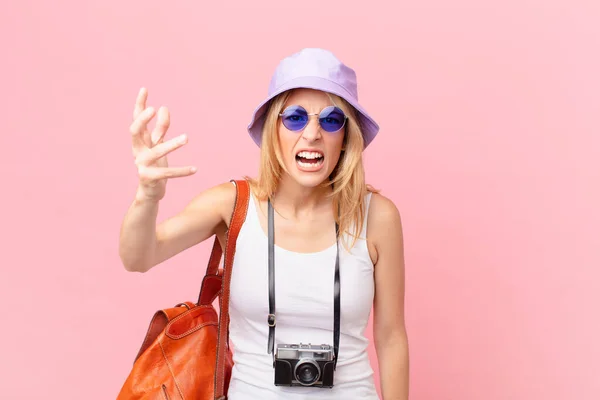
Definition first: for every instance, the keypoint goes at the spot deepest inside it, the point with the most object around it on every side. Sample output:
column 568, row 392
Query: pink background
column 489, row 146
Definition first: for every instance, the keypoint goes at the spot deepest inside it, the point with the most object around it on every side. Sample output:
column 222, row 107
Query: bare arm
column 137, row 240
column 391, row 341
column 145, row 244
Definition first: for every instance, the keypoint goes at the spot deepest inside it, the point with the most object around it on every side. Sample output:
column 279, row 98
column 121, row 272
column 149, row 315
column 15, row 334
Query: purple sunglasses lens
column 294, row 118
column 331, row 119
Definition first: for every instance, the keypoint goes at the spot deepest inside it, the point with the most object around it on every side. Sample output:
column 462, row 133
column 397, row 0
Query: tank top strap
column 367, row 203
column 360, row 247
column 253, row 217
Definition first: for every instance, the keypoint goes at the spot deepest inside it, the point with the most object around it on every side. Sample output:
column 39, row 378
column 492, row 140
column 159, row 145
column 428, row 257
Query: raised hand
column 150, row 150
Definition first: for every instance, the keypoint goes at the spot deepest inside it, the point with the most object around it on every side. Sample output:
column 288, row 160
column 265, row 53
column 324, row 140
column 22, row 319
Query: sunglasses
column 331, row 119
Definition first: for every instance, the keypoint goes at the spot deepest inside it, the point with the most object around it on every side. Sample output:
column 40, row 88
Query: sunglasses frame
column 281, row 114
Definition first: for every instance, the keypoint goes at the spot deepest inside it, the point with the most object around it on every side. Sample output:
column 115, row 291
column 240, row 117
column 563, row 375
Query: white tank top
column 304, row 312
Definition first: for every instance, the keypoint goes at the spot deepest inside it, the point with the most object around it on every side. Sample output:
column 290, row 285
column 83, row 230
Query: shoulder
column 223, row 192
column 383, row 213
column 384, row 223
column 220, row 198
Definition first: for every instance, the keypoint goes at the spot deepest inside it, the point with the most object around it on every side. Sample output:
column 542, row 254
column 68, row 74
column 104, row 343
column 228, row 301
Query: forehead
column 312, row 100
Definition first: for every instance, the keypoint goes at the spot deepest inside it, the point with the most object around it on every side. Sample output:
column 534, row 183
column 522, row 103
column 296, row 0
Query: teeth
column 309, row 165
column 310, row 154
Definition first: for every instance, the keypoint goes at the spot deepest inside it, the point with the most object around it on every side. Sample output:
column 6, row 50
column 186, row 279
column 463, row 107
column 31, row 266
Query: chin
column 308, row 181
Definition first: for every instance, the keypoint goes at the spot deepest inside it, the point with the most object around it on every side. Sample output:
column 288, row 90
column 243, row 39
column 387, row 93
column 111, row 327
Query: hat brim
column 369, row 127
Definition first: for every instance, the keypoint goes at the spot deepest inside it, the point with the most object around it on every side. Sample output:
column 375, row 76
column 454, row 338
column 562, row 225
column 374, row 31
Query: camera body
column 304, row 365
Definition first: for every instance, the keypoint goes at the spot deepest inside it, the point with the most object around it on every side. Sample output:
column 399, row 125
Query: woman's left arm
column 391, row 340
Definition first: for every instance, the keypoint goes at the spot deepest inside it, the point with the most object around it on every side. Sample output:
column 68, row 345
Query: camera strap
column 336, row 289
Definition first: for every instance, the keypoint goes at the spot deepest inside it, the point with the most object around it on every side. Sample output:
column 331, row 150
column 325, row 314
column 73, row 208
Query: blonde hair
column 347, row 178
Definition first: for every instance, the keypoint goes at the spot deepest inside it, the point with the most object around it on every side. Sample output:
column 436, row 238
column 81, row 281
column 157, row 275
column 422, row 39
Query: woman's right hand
column 150, row 151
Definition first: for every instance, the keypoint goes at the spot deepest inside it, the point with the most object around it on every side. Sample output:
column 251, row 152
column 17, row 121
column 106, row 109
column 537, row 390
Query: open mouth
column 309, row 160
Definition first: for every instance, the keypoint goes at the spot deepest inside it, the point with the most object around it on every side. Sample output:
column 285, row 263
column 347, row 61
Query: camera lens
column 307, row 372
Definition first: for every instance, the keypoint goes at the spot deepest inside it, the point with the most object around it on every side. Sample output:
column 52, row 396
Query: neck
column 295, row 201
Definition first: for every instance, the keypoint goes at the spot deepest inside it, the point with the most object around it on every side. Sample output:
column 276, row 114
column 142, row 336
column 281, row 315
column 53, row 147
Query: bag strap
column 212, row 281
column 216, row 282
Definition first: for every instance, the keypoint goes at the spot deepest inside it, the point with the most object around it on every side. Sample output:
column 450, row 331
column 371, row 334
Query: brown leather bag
column 186, row 354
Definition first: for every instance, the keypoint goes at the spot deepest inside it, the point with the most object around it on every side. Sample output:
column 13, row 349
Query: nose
column 312, row 131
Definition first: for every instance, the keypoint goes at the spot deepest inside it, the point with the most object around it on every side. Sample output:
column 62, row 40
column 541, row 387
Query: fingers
column 162, row 125
column 140, row 102
column 148, row 148
column 150, row 155
column 138, row 126
column 150, row 174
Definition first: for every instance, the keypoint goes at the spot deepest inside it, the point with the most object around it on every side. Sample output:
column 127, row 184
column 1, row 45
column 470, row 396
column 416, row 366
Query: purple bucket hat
column 318, row 69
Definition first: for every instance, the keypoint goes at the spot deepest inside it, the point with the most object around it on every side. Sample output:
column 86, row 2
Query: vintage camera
column 304, row 365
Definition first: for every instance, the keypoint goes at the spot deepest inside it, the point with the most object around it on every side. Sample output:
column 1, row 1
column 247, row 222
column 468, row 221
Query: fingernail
column 193, row 169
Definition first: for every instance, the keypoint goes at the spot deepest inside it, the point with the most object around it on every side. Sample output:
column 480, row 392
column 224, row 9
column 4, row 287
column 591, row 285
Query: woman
column 311, row 131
